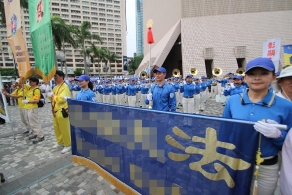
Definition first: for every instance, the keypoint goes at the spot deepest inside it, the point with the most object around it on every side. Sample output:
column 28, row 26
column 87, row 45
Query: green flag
column 41, row 38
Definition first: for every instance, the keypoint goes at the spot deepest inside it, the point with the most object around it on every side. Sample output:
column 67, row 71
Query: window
column 64, row 10
column 117, row 11
column 118, row 30
column 94, row 8
column 110, row 15
column 86, row 13
column 102, row 29
column 55, row 4
column 109, row 10
column 56, row 9
column 101, row 14
column 103, row 34
column 85, row 2
column 109, row 6
column 93, row 4
column 86, row 18
column 85, row 7
column 102, row 24
column 94, row 28
column 64, row 5
column 102, row 19
column 117, row 7
column 75, row 6
column 65, row 16
column 101, row 5
column 94, row 23
column 101, row 10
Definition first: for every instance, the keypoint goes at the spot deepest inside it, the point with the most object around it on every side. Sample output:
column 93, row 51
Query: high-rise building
column 108, row 20
column 139, row 27
column 213, row 34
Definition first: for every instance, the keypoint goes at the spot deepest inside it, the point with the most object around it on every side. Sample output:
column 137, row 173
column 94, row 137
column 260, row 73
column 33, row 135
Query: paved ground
column 39, row 169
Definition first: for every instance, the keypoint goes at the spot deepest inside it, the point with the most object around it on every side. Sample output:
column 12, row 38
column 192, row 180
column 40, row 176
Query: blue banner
column 155, row 152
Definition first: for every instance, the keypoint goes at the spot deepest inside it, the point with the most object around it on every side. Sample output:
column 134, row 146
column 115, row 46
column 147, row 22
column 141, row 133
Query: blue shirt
column 144, row 89
column 163, row 98
column 236, row 90
column 188, row 90
column 279, row 111
column 120, row 89
column 131, row 89
column 176, row 86
column 85, row 95
column 75, row 87
column 106, row 90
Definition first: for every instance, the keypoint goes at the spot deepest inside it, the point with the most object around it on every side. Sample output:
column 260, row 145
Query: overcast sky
column 131, row 27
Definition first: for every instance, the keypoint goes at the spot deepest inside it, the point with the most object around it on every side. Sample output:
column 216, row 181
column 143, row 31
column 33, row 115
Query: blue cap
column 83, row 78
column 160, row 69
column 196, row 79
column 175, row 79
column 203, row 77
column 169, row 79
column 189, row 75
column 278, row 73
column 133, row 79
column 106, row 81
column 237, row 77
column 265, row 63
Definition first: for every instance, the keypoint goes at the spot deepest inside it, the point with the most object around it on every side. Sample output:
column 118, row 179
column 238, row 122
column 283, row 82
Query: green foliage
column 8, row 72
column 134, row 64
column 78, row 72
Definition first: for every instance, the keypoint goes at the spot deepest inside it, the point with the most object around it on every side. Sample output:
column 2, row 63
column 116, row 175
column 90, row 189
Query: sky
column 131, row 27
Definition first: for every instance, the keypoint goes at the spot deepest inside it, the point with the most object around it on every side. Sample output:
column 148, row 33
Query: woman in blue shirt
column 236, row 87
column 259, row 103
column 86, row 93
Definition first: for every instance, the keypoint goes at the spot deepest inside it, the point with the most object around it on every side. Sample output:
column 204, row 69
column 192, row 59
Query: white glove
column 222, row 93
column 181, row 84
column 25, row 101
column 149, row 96
column 232, row 85
column 66, row 98
column 267, row 130
column 50, row 94
column 94, row 99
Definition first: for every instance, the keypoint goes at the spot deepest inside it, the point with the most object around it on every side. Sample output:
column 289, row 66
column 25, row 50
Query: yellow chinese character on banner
column 210, row 155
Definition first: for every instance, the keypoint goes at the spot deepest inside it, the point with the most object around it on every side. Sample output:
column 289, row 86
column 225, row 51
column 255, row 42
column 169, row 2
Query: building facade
column 214, row 34
column 139, row 27
column 108, row 20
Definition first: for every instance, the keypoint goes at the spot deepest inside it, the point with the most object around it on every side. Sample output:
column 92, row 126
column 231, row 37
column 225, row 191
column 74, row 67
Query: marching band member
column 100, row 91
column 126, row 83
column 203, row 94
column 256, row 104
column 120, row 92
column 214, row 87
column 113, row 94
column 144, row 92
column 86, row 93
column 163, row 94
column 236, row 87
column 197, row 97
column 176, row 86
column 106, row 90
column 132, row 91
column 75, row 88
column 138, row 96
column 188, row 91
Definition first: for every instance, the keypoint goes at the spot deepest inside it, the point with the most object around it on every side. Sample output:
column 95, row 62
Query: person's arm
column 172, row 100
column 13, row 95
column 36, row 96
column 226, row 112
column 91, row 95
column 63, row 92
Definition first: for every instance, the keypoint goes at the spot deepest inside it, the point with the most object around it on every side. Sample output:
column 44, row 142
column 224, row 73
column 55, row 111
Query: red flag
column 150, row 39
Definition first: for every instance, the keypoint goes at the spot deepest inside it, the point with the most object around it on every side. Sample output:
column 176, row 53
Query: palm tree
column 61, row 35
column 23, row 5
column 110, row 58
column 98, row 53
column 83, row 34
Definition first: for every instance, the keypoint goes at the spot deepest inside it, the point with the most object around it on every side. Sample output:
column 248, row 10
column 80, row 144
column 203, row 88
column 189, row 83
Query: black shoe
column 26, row 132
column 37, row 140
column 32, row 137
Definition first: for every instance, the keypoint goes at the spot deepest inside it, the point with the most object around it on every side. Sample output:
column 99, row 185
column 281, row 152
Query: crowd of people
column 257, row 95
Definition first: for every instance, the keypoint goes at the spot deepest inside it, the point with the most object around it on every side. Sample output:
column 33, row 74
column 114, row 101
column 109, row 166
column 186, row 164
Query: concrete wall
column 164, row 13
column 224, row 32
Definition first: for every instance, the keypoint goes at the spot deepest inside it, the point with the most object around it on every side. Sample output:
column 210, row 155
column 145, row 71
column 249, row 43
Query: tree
column 61, row 35
column 23, row 5
column 98, row 54
column 134, row 64
column 83, row 34
column 78, row 71
column 8, row 72
column 110, row 57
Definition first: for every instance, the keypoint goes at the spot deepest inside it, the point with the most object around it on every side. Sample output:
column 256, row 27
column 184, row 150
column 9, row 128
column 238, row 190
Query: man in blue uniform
column 163, row 94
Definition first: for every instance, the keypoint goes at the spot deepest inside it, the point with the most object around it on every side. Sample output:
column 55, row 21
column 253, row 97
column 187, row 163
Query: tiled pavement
column 40, row 169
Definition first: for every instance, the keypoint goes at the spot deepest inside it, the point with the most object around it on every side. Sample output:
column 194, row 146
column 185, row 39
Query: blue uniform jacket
column 106, row 90
column 176, row 86
column 188, row 90
column 85, row 95
column 279, row 111
column 132, row 90
column 144, row 89
column 120, row 89
column 236, row 90
column 163, row 98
